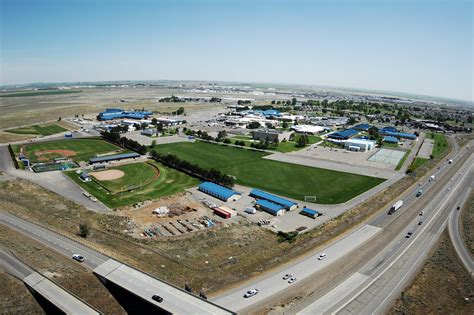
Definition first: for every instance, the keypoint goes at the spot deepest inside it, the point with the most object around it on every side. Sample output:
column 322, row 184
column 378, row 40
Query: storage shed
column 310, row 213
column 287, row 204
column 218, row 191
column 270, row 207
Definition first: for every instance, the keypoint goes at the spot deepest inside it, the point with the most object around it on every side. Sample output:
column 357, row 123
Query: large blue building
column 287, row 204
column 117, row 113
column 344, row 134
column 218, row 191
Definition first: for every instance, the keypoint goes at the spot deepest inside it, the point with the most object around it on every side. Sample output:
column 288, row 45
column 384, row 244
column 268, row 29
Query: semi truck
column 396, row 206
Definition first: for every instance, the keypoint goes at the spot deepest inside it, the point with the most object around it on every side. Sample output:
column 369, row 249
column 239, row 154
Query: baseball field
column 285, row 179
column 128, row 184
column 76, row 149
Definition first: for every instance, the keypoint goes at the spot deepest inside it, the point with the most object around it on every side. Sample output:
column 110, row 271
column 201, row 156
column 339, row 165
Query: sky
column 414, row 46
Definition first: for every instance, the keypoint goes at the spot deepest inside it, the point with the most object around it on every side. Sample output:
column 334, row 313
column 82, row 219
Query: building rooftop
column 114, row 157
column 269, row 206
column 259, row 194
column 344, row 134
column 219, row 190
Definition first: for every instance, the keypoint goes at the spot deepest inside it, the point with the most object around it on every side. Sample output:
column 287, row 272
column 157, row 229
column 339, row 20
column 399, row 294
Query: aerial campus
column 224, row 197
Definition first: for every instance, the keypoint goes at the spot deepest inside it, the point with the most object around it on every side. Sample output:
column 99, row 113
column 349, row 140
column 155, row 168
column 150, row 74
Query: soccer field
column 76, row 149
column 148, row 181
column 285, row 179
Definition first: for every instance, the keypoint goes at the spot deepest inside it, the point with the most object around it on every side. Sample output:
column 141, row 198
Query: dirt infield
column 108, row 175
column 47, row 155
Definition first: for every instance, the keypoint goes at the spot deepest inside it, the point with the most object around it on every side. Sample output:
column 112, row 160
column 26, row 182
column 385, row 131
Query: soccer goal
column 310, row 198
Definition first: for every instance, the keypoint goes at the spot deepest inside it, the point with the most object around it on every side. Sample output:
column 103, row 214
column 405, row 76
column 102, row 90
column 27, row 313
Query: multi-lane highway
column 175, row 300
column 389, row 237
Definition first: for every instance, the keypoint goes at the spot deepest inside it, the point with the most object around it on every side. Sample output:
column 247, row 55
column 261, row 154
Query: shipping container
column 221, row 213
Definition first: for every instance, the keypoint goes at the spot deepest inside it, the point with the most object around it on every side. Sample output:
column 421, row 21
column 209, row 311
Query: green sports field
column 43, row 130
column 77, row 149
column 143, row 177
column 285, row 179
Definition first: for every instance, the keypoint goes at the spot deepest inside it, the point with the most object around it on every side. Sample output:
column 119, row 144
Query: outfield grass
column 39, row 93
column 440, row 144
column 285, row 179
column 84, row 149
column 402, row 161
column 168, row 183
column 44, row 130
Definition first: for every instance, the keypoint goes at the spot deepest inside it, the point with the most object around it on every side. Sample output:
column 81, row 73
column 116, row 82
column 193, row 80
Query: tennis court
column 386, row 156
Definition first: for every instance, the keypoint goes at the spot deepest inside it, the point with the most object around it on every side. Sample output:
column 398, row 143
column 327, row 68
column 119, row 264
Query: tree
column 59, row 118
column 153, row 144
column 285, row 125
column 351, row 121
column 302, row 141
column 273, row 102
column 222, row 134
column 154, row 121
column 180, row 111
column 293, row 101
column 84, row 229
column 253, row 125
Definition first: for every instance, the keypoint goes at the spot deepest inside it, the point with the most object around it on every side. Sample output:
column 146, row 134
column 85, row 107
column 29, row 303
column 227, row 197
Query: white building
column 309, row 129
column 359, row 145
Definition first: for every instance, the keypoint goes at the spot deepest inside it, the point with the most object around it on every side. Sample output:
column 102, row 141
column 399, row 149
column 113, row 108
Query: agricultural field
column 285, row 179
column 139, row 182
column 43, row 130
column 77, row 149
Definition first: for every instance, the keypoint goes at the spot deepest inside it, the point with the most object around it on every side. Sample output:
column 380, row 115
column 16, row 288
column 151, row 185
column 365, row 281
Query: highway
column 455, row 234
column 323, row 276
column 139, row 283
column 373, row 288
column 55, row 294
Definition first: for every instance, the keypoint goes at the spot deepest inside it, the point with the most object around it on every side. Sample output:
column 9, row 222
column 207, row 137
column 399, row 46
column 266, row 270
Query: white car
column 287, row 276
column 292, row 279
column 250, row 293
column 322, row 256
column 78, row 257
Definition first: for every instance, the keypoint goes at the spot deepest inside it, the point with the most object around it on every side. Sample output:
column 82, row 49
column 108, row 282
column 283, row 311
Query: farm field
column 77, row 149
column 153, row 180
column 43, row 130
column 285, row 179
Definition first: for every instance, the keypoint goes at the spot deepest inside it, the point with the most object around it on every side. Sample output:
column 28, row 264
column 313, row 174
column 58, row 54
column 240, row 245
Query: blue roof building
column 388, row 128
column 399, row 135
column 114, row 157
column 271, row 113
column 116, row 113
column 287, row 204
column 309, row 212
column 270, row 207
column 218, row 191
column 390, row 139
column 362, row 127
column 344, row 134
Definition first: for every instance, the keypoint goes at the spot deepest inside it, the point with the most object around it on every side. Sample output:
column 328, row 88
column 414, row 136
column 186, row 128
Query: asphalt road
column 13, row 266
column 382, row 279
column 455, row 234
column 341, row 269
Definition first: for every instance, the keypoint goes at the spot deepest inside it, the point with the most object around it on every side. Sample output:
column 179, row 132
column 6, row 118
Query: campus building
column 357, row 144
column 118, row 113
column 271, row 135
column 262, row 195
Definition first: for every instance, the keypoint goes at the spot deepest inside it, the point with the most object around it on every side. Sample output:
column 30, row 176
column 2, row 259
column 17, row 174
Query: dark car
column 157, row 298
column 409, row 234
column 420, row 223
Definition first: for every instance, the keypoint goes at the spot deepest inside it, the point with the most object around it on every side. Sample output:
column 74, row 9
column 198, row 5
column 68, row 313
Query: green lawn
column 168, row 183
column 136, row 175
column 402, row 161
column 287, row 146
column 390, row 145
column 440, row 144
column 84, row 149
column 285, row 179
column 39, row 93
column 418, row 162
column 44, row 130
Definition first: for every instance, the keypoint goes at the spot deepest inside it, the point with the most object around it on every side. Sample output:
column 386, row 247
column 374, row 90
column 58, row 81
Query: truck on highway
column 396, row 206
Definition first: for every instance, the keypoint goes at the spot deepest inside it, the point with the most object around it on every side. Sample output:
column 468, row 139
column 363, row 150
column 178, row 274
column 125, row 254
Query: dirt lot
column 61, row 269
column 441, row 287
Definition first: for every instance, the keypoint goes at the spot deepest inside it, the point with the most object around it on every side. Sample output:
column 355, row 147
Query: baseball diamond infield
column 108, row 175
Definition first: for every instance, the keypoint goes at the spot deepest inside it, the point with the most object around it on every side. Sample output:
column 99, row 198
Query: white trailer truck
column 396, row 206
